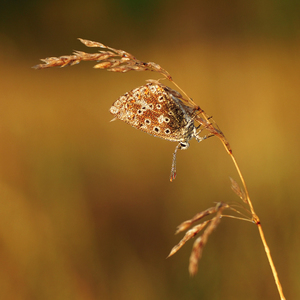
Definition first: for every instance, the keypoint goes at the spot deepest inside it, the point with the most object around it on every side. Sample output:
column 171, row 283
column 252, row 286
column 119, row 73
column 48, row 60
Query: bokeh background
column 86, row 207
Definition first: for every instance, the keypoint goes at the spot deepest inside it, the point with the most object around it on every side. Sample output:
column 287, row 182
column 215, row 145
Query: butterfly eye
column 184, row 145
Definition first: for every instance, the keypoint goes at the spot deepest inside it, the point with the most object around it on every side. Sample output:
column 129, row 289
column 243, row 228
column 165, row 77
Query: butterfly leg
column 200, row 138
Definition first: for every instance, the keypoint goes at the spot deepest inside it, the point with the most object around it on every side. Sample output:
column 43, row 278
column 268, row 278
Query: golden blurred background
column 86, row 207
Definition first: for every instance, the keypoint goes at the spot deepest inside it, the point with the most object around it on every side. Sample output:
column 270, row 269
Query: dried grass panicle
column 109, row 58
column 200, row 242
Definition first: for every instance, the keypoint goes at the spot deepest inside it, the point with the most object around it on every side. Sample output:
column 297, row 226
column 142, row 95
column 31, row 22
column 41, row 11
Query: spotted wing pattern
column 155, row 110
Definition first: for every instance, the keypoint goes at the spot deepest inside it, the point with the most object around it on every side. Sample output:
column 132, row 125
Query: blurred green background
column 86, row 207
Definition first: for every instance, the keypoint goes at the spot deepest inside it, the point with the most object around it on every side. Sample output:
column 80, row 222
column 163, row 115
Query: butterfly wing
column 152, row 109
